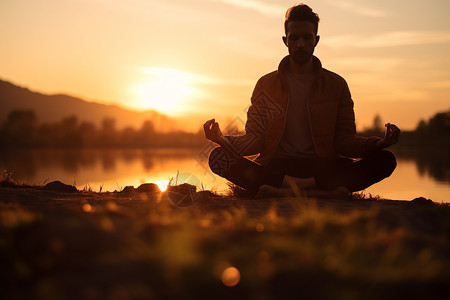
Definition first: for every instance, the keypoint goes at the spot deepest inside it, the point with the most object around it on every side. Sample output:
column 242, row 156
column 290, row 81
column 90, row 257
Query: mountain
column 53, row 108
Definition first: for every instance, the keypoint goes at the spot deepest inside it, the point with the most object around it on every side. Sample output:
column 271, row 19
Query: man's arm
column 346, row 142
column 243, row 145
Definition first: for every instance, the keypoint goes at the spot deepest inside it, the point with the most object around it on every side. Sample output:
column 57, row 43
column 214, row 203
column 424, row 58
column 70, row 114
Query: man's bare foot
column 301, row 183
column 265, row 191
column 339, row 192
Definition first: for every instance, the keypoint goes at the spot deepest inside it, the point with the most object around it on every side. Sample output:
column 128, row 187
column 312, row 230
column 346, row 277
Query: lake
column 419, row 173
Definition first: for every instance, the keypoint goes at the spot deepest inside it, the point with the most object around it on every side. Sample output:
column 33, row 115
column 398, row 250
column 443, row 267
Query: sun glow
column 167, row 90
column 162, row 185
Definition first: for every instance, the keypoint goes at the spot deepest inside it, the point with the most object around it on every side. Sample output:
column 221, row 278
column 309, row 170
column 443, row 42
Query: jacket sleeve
column 346, row 142
column 253, row 140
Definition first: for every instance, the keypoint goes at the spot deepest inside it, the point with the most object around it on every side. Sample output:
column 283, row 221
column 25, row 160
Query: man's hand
column 212, row 131
column 391, row 136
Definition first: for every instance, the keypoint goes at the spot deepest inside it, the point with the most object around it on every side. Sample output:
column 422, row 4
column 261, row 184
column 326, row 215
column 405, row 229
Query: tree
column 20, row 128
column 146, row 135
column 71, row 135
column 108, row 133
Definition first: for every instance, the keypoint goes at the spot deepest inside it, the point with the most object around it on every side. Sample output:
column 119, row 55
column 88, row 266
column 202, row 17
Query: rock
column 129, row 189
column 148, row 188
column 58, row 186
column 182, row 189
column 422, row 201
column 182, row 196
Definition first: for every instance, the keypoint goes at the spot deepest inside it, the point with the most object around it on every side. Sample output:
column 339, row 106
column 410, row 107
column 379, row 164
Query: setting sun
column 166, row 90
column 162, row 185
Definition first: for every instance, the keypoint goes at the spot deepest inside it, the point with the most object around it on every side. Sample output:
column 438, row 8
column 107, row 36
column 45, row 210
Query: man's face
column 301, row 39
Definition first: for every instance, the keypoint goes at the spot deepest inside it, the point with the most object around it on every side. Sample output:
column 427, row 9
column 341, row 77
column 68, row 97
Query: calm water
column 419, row 173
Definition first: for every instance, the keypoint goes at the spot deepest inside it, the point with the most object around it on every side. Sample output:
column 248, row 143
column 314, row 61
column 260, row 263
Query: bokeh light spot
column 259, row 227
column 87, row 207
column 231, row 276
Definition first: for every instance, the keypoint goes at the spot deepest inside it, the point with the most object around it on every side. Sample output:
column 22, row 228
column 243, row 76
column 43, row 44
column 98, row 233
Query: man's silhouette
column 302, row 124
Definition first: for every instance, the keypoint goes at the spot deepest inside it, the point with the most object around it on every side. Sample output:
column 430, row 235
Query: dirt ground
column 144, row 244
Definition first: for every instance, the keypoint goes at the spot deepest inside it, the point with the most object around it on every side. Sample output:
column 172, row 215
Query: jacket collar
column 282, row 67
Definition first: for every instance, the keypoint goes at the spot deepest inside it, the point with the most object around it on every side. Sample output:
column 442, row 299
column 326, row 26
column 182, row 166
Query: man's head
column 301, row 12
column 301, row 38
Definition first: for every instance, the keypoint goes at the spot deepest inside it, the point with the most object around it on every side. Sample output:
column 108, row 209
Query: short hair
column 301, row 12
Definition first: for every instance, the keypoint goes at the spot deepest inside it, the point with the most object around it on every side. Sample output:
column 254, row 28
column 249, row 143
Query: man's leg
column 243, row 172
column 311, row 176
column 338, row 176
column 328, row 174
column 358, row 175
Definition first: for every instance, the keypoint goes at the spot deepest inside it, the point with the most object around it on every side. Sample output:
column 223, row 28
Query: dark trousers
column 329, row 173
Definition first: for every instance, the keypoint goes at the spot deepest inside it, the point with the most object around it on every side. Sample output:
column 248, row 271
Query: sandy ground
column 143, row 244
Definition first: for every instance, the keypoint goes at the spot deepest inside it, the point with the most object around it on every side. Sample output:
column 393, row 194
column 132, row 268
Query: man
column 301, row 123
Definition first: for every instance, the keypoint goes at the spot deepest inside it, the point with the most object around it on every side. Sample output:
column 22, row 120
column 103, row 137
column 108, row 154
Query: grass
column 8, row 180
column 139, row 246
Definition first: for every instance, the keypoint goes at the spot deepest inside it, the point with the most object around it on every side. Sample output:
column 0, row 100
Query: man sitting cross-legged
column 301, row 123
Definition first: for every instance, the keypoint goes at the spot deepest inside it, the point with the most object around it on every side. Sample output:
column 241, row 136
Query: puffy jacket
column 331, row 117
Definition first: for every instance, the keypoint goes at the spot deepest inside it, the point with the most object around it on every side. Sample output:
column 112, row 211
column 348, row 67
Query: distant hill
column 53, row 108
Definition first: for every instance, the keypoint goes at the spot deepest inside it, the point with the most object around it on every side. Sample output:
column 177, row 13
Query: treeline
column 23, row 129
column 434, row 132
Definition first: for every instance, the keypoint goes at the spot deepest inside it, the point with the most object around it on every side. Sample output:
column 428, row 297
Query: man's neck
column 301, row 69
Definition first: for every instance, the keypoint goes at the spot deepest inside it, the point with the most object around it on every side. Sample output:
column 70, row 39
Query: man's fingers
column 212, row 130
column 208, row 124
column 392, row 126
column 392, row 134
column 392, row 130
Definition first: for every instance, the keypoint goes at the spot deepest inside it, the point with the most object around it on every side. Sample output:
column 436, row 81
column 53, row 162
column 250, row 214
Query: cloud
column 192, row 78
column 388, row 39
column 360, row 63
column 246, row 46
column 443, row 84
column 359, row 9
column 178, row 75
column 268, row 9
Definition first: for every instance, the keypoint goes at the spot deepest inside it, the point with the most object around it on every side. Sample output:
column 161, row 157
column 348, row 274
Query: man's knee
column 387, row 161
column 212, row 160
column 218, row 161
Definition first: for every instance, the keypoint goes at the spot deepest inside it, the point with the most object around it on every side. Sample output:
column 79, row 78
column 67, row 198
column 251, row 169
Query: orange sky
column 201, row 58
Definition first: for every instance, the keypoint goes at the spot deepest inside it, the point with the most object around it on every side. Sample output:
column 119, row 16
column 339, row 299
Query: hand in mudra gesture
column 212, row 131
column 392, row 134
column 390, row 137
